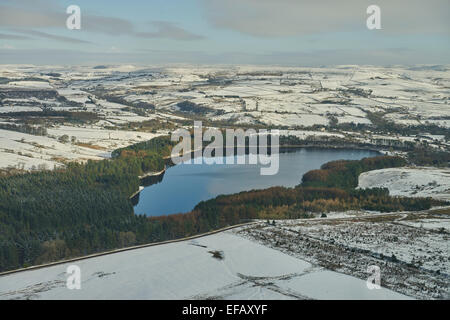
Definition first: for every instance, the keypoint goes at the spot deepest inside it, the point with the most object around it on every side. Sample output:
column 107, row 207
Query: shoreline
column 169, row 163
column 137, row 192
column 144, row 176
column 152, row 174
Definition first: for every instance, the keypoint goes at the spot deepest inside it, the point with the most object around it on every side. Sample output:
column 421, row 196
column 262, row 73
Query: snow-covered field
column 300, row 99
column 26, row 151
column 188, row 270
column 410, row 182
column 410, row 248
column 285, row 95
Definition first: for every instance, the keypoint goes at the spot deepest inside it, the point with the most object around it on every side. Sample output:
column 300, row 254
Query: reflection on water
column 185, row 185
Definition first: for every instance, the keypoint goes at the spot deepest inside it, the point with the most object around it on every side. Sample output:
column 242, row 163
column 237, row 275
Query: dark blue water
column 185, row 185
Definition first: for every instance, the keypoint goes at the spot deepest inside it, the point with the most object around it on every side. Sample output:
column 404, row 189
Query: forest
column 85, row 208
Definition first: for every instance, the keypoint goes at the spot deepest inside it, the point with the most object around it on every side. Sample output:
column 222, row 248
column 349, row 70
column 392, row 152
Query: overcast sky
column 277, row 32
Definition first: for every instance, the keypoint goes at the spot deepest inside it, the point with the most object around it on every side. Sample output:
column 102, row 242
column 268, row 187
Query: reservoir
column 183, row 186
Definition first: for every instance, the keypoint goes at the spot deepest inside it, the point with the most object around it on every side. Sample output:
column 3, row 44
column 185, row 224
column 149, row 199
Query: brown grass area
column 90, row 146
column 147, row 87
column 431, row 214
column 445, row 211
column 378, row 218
column 60, row 159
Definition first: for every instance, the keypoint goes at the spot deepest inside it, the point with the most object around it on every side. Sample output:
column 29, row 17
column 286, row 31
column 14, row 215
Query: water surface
column 185, row 185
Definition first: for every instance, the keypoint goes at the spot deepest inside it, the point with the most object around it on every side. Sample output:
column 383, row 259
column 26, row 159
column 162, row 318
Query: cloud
column 52, row 15
column 7, row 46
column 268, row 18
column 106, row 25
column 169, row 30
column 23, row 17
column 46, row 35
column 13, row 37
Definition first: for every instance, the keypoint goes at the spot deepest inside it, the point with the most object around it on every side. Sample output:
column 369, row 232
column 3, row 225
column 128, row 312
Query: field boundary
column 94, row 255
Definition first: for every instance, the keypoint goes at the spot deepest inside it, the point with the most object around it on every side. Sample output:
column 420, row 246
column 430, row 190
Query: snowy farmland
column 219, row 266
column 108, row 104
column 410, row 182
column 32, row 152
